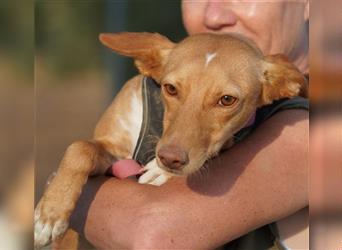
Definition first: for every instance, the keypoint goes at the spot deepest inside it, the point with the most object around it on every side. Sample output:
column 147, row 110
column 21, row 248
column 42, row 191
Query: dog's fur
column 194, row 75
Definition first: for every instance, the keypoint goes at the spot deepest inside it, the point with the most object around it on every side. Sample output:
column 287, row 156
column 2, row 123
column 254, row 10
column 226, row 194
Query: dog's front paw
column 50, row 222
column 154, row 175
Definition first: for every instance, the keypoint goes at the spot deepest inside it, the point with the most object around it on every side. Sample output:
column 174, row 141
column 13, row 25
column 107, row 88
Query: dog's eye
column 170, row 89
column 227, row 100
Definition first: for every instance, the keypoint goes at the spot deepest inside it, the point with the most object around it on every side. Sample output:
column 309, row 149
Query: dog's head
column 211, row 86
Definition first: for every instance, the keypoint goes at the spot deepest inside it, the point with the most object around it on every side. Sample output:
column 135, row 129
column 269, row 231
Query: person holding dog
column 260, row 180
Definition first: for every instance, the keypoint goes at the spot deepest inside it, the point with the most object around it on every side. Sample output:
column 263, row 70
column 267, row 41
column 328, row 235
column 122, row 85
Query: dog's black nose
column 173, row 157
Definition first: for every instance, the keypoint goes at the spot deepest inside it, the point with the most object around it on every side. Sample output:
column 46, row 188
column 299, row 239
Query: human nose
column 218, row 15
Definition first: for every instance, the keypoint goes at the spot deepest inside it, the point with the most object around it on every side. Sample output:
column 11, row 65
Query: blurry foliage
column 16, row 40
column 66, row 32
column 156, row 16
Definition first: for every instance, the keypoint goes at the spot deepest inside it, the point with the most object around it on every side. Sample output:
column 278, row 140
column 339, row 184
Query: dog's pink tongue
column 126, row 168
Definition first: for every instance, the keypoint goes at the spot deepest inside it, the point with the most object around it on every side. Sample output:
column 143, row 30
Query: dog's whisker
column 238, row 138
column 151, row 140
column 150, row 158
column 154, row 136
column 149, row 152
column 204, row 170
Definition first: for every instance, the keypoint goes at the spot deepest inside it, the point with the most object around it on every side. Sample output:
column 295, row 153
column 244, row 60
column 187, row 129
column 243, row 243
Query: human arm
column 260, row 180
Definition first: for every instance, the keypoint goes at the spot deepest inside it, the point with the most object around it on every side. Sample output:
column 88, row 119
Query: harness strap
column 152, row 122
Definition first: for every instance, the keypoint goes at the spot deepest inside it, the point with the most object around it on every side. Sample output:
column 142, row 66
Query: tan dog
column 211, row 85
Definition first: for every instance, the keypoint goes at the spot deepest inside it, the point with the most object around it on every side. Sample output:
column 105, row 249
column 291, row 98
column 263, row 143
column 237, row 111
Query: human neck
column 302, row 63
column 300, row 55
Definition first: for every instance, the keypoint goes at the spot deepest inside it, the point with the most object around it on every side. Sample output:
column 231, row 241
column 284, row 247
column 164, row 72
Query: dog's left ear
column 150, row 50
column 280, row 79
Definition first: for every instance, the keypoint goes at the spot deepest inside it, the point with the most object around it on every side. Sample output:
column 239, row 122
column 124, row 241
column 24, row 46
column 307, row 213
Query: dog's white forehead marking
column 208, row 58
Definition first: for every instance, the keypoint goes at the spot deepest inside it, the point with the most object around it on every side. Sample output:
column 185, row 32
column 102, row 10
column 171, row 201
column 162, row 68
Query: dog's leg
column 115, row 136
column 81, row 159
column 154, row 175
column 70, row 241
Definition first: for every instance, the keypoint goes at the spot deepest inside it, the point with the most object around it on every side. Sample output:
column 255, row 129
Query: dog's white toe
column 38, row 228
column 59, row 228
column 160, row 180
column 154, row 175
column 42, row 234
column 46, row 228
column 148, row 176
column 45, row 233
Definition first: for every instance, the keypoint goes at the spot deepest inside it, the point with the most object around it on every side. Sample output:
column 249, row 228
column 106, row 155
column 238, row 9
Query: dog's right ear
column 149, row 50
column 280, row 79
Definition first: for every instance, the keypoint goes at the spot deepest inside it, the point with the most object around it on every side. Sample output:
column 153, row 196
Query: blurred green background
column 66, row 32
column 17, row 37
